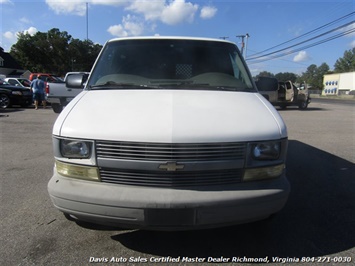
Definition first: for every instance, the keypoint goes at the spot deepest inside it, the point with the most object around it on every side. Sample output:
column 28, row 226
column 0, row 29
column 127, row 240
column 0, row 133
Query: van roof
column 170, row 38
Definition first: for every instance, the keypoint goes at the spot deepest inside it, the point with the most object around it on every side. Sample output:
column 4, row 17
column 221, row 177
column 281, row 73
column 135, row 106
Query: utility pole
column 246, row 36
column 87, row 21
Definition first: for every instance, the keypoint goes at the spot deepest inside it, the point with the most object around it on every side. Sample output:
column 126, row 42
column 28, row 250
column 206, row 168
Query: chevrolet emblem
column 171, row 166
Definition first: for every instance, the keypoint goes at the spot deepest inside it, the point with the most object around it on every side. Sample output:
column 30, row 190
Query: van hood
column 170, row 116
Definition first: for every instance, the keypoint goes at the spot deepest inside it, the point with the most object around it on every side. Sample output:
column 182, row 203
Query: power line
column 318, row 36
column 307, row 46
column 286, row 60
column 305, row 34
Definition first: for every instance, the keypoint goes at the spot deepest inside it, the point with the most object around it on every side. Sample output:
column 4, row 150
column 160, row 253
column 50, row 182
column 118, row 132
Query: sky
column 279, row 36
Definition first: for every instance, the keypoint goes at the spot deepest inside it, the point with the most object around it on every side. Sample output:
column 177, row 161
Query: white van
column 169, row 134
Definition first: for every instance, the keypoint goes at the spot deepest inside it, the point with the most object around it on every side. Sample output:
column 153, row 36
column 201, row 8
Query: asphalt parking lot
column 317, row 224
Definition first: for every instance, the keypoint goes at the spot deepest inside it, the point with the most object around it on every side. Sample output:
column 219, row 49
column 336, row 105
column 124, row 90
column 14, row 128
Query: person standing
column 38, row 87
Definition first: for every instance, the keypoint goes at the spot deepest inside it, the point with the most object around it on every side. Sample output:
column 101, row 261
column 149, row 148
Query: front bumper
column 168, row 209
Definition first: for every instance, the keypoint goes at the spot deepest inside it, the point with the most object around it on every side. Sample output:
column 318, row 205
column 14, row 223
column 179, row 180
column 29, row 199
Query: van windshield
column 170, row 64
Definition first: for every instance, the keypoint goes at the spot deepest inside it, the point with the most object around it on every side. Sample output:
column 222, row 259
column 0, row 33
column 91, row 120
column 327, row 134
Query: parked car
column 169, row 133
column 22, row 82
column 46, row 77
column 19, row 95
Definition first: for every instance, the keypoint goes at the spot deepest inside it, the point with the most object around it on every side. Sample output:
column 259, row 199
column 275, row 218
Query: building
column 339, row 84
column 9, row 66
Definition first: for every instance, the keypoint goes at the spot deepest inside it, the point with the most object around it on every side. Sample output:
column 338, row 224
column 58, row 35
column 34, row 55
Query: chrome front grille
column 140, row 164
column 170, row 152
column 171, row 179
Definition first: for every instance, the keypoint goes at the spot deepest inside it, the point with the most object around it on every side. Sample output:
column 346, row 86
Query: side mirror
column 76, row 81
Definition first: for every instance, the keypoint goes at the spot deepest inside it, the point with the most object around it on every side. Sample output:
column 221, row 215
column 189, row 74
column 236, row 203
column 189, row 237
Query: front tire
column 303, row 105
column 4, row 101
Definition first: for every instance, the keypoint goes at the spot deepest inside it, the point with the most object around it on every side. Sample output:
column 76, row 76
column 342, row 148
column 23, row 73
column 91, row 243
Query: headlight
column 266, row 150
column 75, row 148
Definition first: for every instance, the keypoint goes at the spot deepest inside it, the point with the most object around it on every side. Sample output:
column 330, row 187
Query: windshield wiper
column 203, row 86
column 167, row 85
column 111, row 84
column 232, row 88
column 118, row 85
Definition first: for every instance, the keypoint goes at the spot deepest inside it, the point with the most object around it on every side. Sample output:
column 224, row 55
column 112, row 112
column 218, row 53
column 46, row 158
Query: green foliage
column 279, row 76
column 264, row 74
column 314, row 75
column 83, row 54
column 286, row 76
column 346, row 63
column 54, row 52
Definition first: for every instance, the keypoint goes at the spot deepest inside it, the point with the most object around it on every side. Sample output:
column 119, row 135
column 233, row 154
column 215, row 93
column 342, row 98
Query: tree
column 42, row 52
column 264, row 74
column 83, row 54
column 314, row 75
column 346, row 63
column 321, row 71
column 54, row 52
column 286, row 76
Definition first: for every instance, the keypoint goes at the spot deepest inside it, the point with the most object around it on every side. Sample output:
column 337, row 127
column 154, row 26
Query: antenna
column 87, row 21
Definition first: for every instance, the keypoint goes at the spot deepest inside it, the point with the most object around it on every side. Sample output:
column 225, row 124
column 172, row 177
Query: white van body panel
column 169, row 134
column 177, row 116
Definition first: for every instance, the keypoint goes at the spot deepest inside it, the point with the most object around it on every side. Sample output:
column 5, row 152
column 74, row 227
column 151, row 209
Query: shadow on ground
column 295, row 108
column 6, row 112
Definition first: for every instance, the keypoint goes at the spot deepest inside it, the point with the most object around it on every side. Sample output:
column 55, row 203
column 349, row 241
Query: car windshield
column 170, row 64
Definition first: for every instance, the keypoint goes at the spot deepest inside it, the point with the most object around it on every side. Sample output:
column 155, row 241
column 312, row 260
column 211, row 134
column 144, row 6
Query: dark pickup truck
column 283, row 93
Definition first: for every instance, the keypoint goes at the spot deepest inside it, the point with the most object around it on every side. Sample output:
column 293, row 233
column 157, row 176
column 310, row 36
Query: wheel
column 4, row 101
column 57, row 108
column 303, row 105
